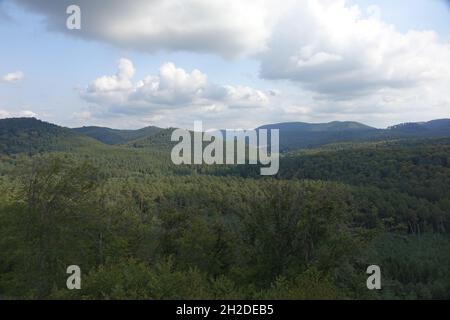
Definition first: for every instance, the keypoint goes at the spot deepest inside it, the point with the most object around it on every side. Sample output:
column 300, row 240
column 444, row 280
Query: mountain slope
column 434, row 128
column 293, row 135
column 160, row 139
column 318, row 127
column 115, row 136
column 297, row 135
column 33, row 136
column 30, row 135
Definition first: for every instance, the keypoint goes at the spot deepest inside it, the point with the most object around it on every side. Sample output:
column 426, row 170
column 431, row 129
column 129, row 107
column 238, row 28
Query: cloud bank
column 336, row 50
column 172, row 88
column 224, row 27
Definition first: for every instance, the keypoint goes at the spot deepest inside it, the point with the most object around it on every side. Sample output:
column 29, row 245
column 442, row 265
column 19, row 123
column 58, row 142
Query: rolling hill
column 319, row 127
column 30, row 135
column 434, row 128
column 127, row 213
column 299, row 135
column 115, row 136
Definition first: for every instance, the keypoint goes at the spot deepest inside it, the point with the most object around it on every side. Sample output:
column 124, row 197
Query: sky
column 229, row 63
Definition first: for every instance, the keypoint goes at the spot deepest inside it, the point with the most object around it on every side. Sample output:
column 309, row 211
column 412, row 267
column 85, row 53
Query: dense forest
column 140, row 227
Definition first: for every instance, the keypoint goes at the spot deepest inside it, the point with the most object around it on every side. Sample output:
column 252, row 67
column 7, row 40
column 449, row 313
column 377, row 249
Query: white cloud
column 245, row 97
column 172, row 88
column 327, row 46
column 119, row 82
column 332, row 49
column 225, row 27
column 13, row 77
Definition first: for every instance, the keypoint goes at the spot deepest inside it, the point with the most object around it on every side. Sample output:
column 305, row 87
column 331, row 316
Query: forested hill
column 148, row 137
column 298, row 135
column 30, row 135
column 319, row 127
column 115, row 136
column 425, row 129
column 293, row 135
column 141, row 227
column 161, row 140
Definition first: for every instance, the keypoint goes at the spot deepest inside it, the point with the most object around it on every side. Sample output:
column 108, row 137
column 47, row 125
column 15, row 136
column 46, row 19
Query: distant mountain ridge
column 298, row 135
column 116, row 136
column 441, row 126
column 32, row 135
column 318, row 127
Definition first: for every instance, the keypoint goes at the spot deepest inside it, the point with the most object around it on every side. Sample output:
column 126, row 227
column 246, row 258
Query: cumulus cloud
column 119, row 82
column 333, row 49
column 327, row 46
column 225, row 27
column 13, row 77
column 244, row 97
column 171, row 88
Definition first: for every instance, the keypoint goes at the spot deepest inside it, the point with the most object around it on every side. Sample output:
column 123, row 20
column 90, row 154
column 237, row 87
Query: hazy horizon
column 189, row 128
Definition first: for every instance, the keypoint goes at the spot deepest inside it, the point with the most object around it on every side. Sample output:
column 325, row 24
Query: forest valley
column 140, row 227
column 233, row 147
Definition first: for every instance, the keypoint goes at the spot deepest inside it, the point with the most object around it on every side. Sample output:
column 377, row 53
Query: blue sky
column 244, row 75
column 414, row 14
